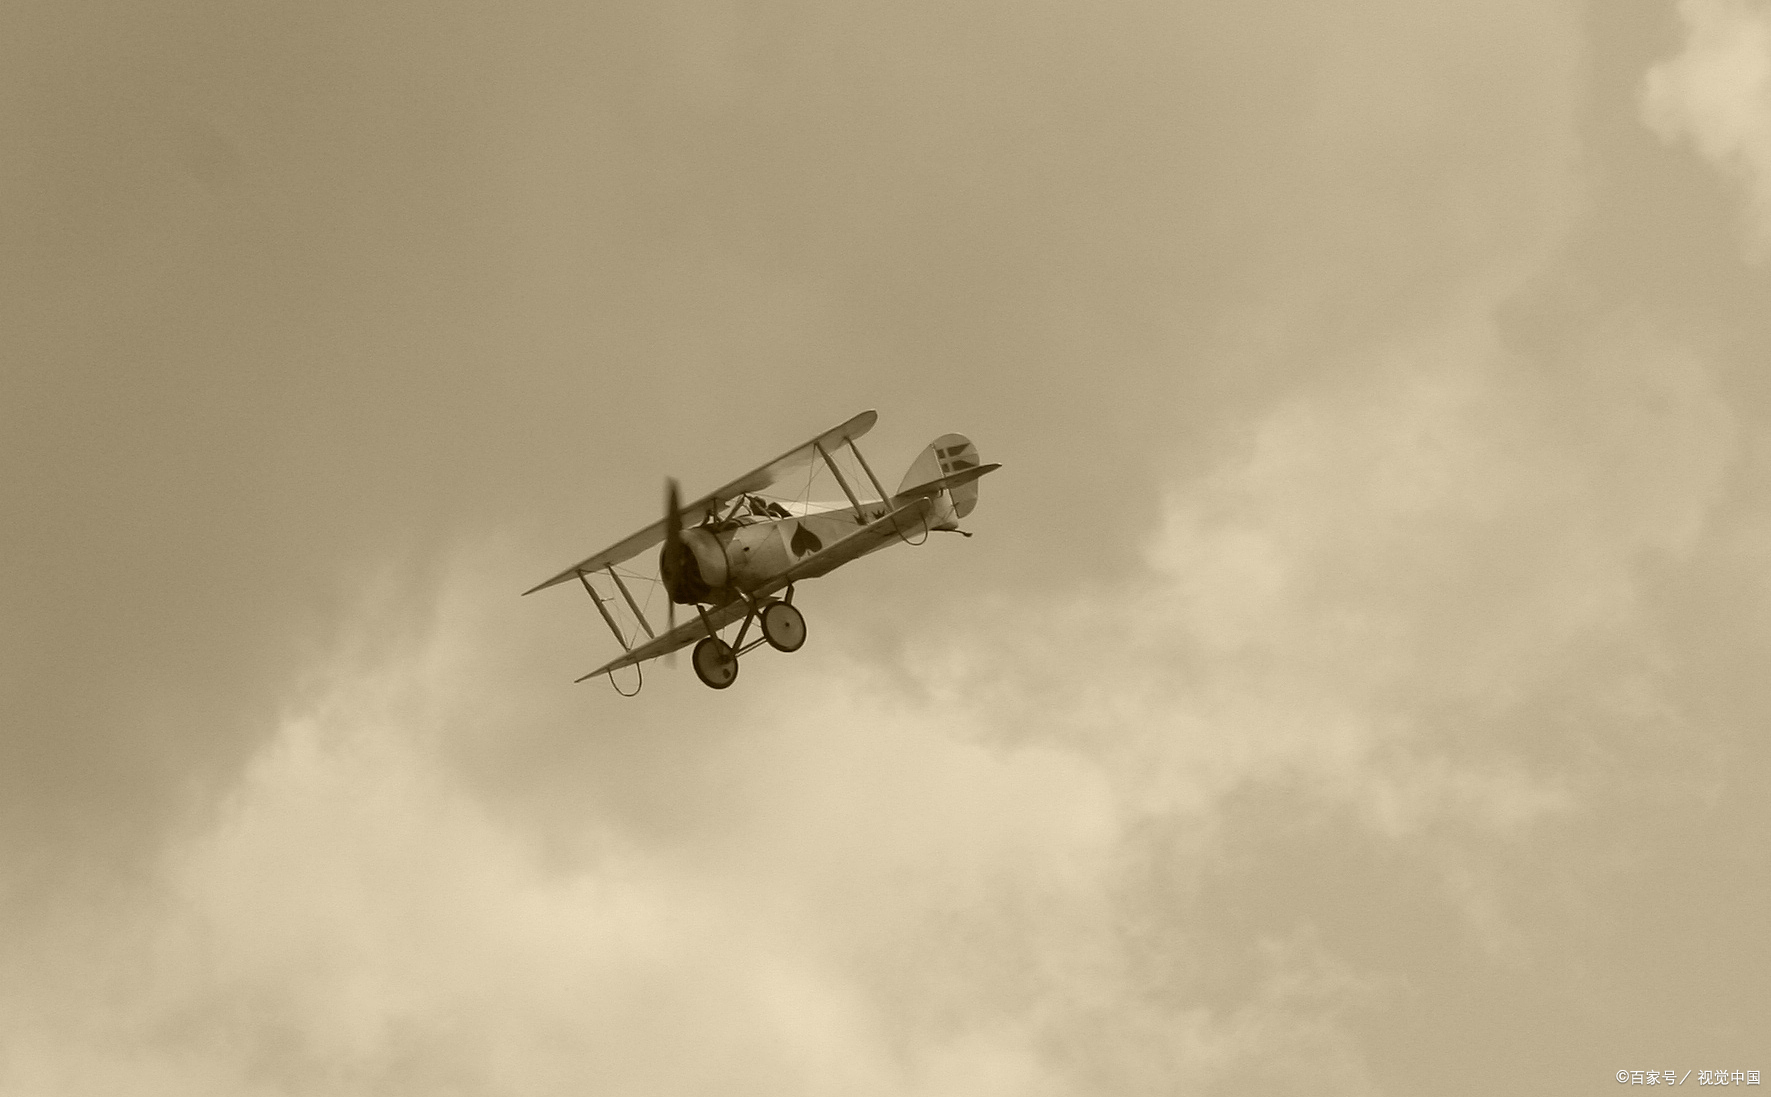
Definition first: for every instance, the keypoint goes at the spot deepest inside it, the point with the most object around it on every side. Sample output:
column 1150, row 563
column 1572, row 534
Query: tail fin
column 946, row 455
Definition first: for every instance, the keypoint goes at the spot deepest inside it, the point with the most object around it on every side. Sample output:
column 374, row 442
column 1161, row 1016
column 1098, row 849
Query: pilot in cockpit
column 756, row 507
column 751, row 509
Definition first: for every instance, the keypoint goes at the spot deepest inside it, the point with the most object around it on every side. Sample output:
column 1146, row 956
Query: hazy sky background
column 1356, row 684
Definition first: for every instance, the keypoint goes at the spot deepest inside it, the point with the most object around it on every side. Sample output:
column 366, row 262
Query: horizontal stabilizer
column 944, row 483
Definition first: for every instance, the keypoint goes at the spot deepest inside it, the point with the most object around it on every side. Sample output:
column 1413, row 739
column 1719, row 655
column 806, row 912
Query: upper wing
column 755, row 480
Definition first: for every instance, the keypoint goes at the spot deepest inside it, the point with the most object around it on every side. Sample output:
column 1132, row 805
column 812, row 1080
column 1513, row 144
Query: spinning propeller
column 673, row 561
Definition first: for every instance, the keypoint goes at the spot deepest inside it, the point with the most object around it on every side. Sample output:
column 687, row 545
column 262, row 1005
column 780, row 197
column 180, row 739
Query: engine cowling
column 700, row 570
column 710, row 557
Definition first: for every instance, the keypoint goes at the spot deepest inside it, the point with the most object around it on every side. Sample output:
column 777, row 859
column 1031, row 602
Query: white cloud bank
column 1717, row 93
column 973, row 873
column 900, row 910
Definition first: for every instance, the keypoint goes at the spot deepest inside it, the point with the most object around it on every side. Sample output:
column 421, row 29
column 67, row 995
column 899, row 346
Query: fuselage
column 749, row 551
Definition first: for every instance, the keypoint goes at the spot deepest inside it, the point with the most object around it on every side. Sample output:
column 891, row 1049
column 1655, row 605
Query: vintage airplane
column 729, row 552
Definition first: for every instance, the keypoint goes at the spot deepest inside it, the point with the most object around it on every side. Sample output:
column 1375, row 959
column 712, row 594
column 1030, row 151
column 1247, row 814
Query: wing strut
column 625, row 593
column 840, row 480
column 884, row 498
column 604, row 610
column 854, row 449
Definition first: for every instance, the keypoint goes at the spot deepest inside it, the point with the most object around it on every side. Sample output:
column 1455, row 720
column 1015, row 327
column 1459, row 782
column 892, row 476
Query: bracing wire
column 805, row 496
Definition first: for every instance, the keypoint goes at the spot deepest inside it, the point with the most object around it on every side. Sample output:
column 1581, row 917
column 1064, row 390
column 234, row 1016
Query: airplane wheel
column 715, row 663
column 783, row 626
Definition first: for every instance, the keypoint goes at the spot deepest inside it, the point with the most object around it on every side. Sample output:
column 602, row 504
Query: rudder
column 945, row 456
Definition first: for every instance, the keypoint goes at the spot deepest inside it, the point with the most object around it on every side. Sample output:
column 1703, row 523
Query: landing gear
column 783, row 626
column 716, row 664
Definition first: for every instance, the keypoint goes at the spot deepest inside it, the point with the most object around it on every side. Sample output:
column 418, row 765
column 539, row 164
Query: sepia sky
column 1356, row 684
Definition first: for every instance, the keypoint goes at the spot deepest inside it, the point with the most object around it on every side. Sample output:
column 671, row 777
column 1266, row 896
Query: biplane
column 735, row 553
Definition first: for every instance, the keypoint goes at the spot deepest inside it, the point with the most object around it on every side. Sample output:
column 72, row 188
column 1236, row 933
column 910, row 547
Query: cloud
column 1009, row 860
column 1717, row 93
column 894, row 908
column 1446, row 516
column 1404, row 586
